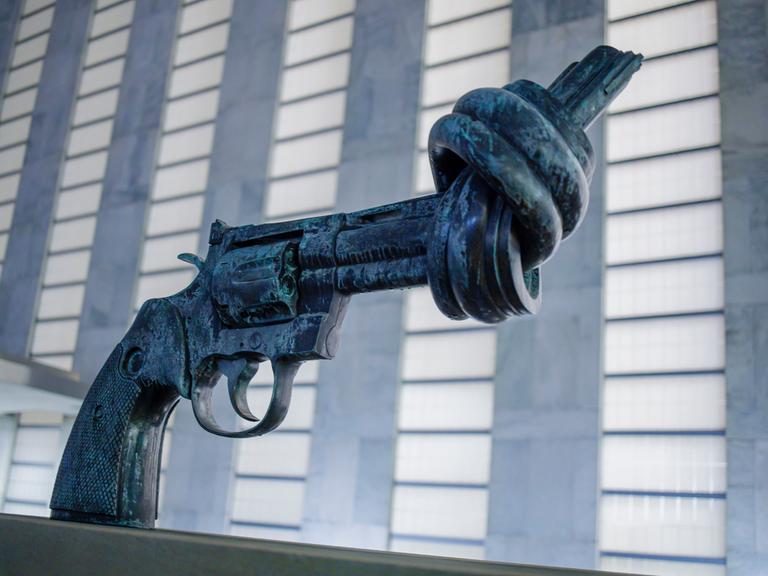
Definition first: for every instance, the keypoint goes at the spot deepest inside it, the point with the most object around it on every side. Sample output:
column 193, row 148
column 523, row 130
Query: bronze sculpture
column 511, row 168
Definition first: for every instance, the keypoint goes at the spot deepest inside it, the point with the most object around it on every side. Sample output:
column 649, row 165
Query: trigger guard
column 284, row 371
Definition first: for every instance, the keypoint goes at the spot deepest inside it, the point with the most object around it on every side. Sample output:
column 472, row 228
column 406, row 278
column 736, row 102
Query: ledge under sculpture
column 511, row 168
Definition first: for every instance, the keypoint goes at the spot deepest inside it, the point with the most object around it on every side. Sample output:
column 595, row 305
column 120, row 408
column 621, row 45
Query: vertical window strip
column 17, row 104
column 443, row 453
column 77, row 200
column 37, row 449
column 178, row 193
column 663, row 460
column 270, row 471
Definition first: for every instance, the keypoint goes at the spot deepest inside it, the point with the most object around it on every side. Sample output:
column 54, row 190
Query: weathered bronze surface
column 511, row 168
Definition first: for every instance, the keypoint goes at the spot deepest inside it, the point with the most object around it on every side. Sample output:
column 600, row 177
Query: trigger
column 193, row 259
column 239, row 376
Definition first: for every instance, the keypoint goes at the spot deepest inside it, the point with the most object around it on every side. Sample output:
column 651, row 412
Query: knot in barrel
column 513, row 174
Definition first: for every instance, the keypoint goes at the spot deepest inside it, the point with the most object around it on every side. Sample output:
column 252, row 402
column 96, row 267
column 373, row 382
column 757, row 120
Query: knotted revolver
column 511, row 168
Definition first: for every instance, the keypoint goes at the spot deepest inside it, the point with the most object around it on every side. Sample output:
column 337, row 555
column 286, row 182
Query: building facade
column 622, row 428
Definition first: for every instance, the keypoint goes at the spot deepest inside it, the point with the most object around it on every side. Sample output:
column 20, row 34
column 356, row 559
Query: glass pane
column 61, row 302
column 202, row 44
column 465, row 37
column 101, row 77
column 664, row 463
column 204, row 13
column 671, row 128
column 307, row 374
column 443, row 458
column 315, row 77
column 6, row 215
column 457, row 355
column 666, row 180
column 664, row 233
column 421, row 313
column 440, row 512
column 91, row 137
column 36, row 445
column 268, row 501
column 30, row 483
column 664, row 345
column 73, row 234
column 59, row 336
column 160, row 253
column 196, row 77
column 300, row 415
column 161, row 285
column 319, row 41
column 184, row 179
column 9, row 185
column 672, row 78
column 78, row 202
column 14, row 131
column 18, row 104
column 309, row 153
column 275, row 455
column 664, row 403
column 35, row 24
column 24, row 77
column 624, row 8
column 310, row 115
column 467, row 406
column 176, row 215
column 306, row 12
column 689, row 26
column 664, row 288
column 447, row 83
column 303, row 193
column 84, row 169
column 30, row 50
column 94, row 107
column 454, row 550
column 108, row 47
column 444, row 10
column 192, row 110
column 658, row 525
column 666, row 567
column 191, row 143
column 12, row 159
column 70, row 267
column 107, row 20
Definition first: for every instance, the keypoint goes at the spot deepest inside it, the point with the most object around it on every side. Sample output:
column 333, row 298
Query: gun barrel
column 587, row 87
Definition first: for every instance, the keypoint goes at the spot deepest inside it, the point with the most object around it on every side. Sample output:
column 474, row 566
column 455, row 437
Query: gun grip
column 110, row 467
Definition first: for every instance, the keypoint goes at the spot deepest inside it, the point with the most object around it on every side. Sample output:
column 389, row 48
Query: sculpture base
column 33, row 546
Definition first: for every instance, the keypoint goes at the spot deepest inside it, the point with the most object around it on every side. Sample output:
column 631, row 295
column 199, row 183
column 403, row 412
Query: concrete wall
column 109, row 291
column 743, row 46
column 546, row 430
column 349, row 482
column 9, row 18
column 28, row 242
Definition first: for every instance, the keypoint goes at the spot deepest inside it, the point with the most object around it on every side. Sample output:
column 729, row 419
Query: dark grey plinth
column 546, row 429
column 201, row 465
column 72, row 549
column 743, row 47
column 109, row 291
column 28, row 242
column 350, row 474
